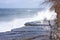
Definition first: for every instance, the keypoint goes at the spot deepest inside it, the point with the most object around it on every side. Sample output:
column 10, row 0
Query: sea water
column 11, row 18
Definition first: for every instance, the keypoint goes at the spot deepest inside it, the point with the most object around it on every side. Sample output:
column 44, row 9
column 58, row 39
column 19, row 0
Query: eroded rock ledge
column 31, row 31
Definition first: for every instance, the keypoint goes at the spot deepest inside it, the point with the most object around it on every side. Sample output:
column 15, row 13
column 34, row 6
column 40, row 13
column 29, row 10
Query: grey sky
column 20, row 3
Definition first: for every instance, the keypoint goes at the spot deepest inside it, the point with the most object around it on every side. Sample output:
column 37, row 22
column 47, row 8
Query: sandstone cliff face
column 56, row 7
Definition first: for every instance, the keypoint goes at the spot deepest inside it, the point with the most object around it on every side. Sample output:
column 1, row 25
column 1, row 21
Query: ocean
column 11, row 18
column 16, row 17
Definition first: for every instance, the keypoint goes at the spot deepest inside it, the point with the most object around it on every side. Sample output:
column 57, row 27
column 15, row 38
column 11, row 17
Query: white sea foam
column 19, row 22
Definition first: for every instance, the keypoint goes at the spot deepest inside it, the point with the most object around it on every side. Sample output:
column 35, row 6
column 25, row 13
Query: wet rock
column 37, row 23
column 34, row 31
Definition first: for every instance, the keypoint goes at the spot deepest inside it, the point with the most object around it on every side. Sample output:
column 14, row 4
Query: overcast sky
column 20, row 3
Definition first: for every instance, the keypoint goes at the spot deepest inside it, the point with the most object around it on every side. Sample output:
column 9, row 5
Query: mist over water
column 14, row 20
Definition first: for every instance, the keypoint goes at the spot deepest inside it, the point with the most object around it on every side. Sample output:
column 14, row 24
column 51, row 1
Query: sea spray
column 19, row 22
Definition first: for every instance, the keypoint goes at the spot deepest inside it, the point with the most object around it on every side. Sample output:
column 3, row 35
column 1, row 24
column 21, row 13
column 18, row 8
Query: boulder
column 36, row 23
